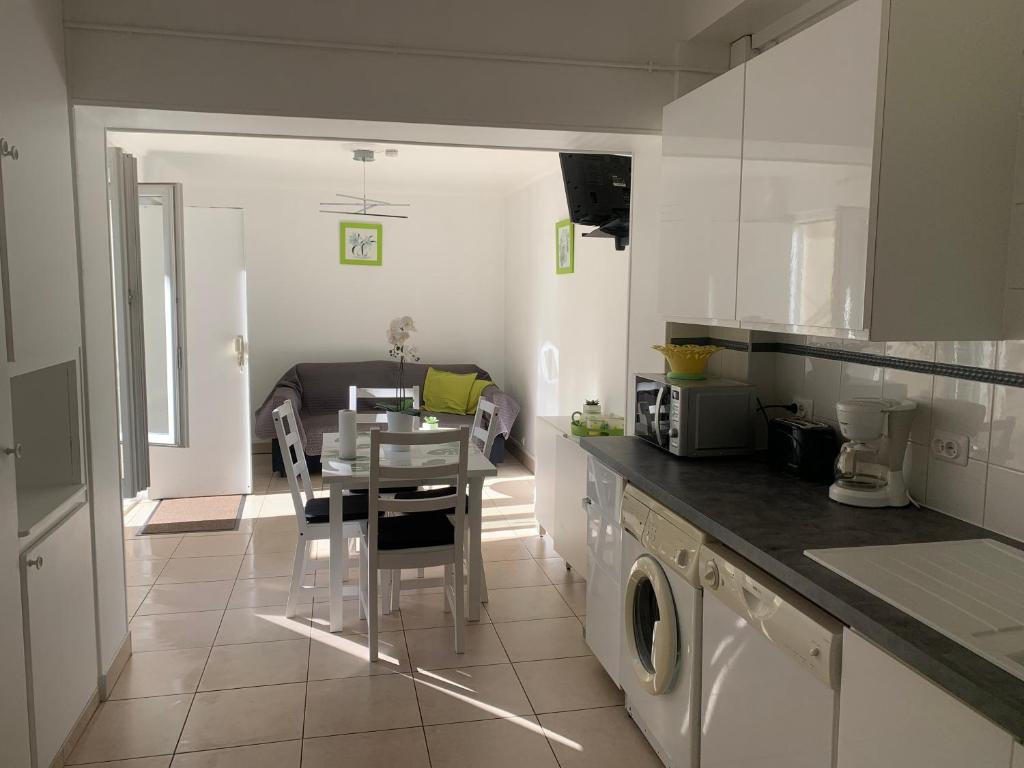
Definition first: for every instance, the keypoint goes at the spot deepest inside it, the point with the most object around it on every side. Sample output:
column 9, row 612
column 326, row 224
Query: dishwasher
column 770, row 668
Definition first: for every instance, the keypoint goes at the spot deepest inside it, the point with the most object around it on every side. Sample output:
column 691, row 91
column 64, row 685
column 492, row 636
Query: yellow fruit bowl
column 687, row 361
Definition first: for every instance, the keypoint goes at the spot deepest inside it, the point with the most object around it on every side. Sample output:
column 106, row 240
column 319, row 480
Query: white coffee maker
column 869, row 469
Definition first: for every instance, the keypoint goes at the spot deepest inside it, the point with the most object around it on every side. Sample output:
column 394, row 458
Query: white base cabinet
column 891, row 717
column 60, row 631
column 561, row 484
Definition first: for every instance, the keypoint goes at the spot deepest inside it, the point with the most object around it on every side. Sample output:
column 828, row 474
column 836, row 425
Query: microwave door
column 647, row 395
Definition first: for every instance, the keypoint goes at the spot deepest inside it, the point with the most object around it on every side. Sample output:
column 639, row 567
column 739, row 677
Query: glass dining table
column 340, row 475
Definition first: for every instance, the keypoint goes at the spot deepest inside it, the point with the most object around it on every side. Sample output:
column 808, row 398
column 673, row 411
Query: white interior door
column 216, row 459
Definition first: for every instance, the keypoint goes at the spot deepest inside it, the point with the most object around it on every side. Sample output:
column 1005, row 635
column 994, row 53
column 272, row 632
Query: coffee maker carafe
column 869, row 469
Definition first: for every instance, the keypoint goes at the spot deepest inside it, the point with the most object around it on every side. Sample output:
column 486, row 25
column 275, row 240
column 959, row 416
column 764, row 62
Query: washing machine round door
column 652, row 630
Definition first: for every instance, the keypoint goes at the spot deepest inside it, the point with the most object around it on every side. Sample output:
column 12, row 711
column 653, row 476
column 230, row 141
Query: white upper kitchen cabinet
column 891, row 717
column 877, row 172
column 1018, row 755
column 40, row 276
column 702, row 137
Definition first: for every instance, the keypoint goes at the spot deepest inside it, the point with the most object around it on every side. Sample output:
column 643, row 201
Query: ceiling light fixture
column 362, row 205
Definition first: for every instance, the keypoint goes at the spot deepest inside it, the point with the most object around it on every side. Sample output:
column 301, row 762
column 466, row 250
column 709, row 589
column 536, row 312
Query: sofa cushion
column 474, row 394
column 446, row 392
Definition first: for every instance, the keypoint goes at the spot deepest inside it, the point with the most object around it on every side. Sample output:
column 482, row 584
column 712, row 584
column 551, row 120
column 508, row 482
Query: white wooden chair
column 355, row 394
column 419, row 532
column 311, row 513
column 483, row 434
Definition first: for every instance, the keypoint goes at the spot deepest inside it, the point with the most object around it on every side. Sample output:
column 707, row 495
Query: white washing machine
column 603, row 505
column 661, row 648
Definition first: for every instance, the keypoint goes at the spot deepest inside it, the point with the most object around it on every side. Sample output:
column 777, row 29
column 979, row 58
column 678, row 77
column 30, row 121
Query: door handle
column 241, row 350
column 657, row 415
column 15, row 451
column 36, row 563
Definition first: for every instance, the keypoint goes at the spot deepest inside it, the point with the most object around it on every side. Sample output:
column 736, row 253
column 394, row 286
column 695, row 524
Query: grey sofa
column 319, row 390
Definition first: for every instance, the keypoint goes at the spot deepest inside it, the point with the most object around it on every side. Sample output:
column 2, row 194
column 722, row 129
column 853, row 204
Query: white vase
column 400, row 422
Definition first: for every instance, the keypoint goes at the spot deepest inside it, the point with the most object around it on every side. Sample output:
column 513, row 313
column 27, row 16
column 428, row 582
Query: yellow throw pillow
column 474, row 394
column 445, row 392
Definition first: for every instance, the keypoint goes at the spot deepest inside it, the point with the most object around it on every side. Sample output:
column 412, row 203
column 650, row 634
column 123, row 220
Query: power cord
column 763, row 409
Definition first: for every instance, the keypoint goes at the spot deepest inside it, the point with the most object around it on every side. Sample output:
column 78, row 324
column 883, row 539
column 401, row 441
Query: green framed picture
column 362, row 243
column 564, row 257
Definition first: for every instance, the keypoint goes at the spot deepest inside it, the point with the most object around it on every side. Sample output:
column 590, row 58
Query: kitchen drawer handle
column 16, row 451
column 36, row 563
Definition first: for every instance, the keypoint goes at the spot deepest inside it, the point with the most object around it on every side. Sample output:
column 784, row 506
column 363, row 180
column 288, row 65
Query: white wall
column 598, row 66
column 566, row 334
column 442, row 266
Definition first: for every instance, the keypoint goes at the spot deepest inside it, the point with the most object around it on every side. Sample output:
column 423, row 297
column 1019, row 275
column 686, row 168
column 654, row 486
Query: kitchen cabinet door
column 60, row 613
column 544, row 474
column 1018, row 755
column 42, row 254
column 702, row 136
column 891, row 717
column 570, row 533
column 808, row 149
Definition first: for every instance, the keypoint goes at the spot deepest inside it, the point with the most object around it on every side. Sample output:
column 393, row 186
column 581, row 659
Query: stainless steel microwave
column 713, row 417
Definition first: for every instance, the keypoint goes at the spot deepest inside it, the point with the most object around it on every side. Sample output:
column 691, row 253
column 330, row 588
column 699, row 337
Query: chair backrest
column 484, row 429
column 355, row 394
column 453, row 469
column 294, row 457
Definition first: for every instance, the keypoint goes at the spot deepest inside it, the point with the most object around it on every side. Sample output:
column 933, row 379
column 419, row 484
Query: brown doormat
column 195, row 514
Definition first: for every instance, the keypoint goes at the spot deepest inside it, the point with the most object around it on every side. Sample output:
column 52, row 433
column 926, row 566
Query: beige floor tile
column 145, row 548
column 250, row 593
column 266, row 564
column 271, row 541
column 168, row 631
column 142, row 573
column 351, row 623
column 133, row 728
column 504, row 549
column 526, row 603
column 334, row 656
column 161, row 673
column 515, row 573
column 260, row 625
column 136, row 762
column 575, row 595
column 435, row 648
column 134, row 597
column 359, row 704
column 282, row 754
column 181, row 598
column 280, row 524
column 382, row 749
column 218, row 545
column 557, row 573
column 540, row 546
column 543, row 639
column 244, row 716
column 511, row 743
column 470, row 693
column 187, row 569
column 563, row 684
column 255, row 664
column 519, row 488
column 598, row 738
column 424, row 609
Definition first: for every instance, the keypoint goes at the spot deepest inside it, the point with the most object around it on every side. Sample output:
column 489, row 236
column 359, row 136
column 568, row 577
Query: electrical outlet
column 951, row 447
column 804, row 407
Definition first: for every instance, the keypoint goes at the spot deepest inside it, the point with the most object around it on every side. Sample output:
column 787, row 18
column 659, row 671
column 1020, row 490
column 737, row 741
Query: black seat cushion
column 423, row 529
column 353, row 508
column 399, row 489
column 433, row 493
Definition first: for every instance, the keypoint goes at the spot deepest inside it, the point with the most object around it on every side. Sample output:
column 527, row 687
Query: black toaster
column 803, row 447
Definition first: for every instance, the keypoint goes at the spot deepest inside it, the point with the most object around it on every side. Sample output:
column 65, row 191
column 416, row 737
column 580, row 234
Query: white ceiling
column 240, row 160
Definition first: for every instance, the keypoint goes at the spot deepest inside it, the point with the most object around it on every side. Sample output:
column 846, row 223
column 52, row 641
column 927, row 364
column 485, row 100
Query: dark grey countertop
column 771, row 518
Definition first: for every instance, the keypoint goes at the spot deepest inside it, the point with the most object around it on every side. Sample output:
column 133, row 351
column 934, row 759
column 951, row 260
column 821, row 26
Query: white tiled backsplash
column 989, row 490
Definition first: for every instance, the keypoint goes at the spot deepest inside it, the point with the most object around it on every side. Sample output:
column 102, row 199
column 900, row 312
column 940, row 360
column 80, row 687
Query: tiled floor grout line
column 195, row 693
